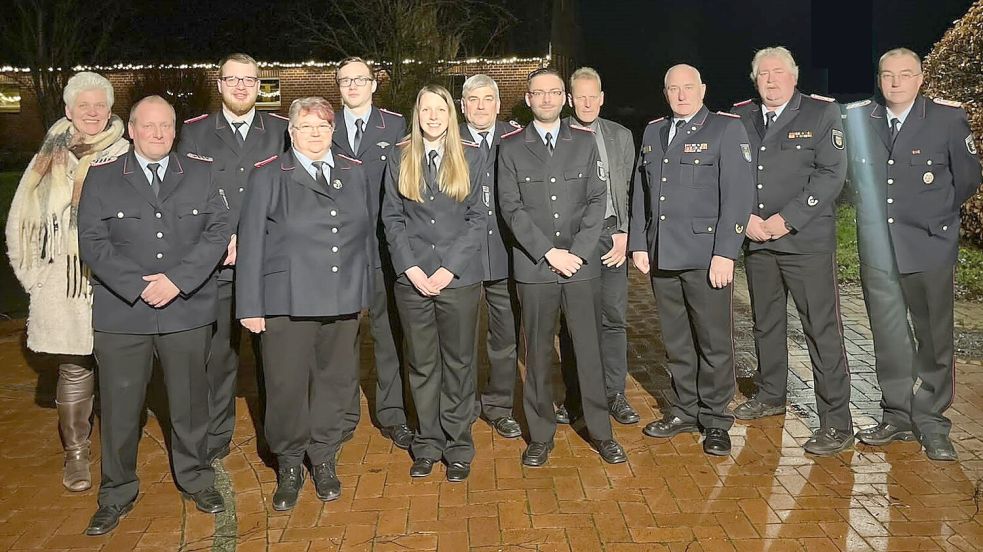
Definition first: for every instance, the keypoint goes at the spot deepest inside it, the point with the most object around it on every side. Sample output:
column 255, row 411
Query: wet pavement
column 767, row 495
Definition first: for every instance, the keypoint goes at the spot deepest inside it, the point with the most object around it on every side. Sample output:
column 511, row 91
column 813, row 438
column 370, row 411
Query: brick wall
column 21, row 133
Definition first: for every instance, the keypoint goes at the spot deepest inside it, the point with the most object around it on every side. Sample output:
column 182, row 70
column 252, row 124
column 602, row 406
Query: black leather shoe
column 106, row 519
column 610, row 451
column 716, row 442
column 537, row 453
column 207, row 500
column 562, row 416
column 289, row 482
column 401, row 435
column 507, row 427
column 422, row 467
column 621, row 411
column 938, row 447
column 218, row 454
column 326, row 483
column 754, row 409
column 884, row 433
column 827, row 441
column 458, row 471
column 670, row 426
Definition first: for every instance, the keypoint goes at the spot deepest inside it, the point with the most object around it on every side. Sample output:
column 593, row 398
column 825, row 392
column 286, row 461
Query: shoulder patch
column 468, row 143
column 513, row 133
column 199, row 157
column 266, row 161
column 744, row 103
column 822, row 98
column 400, row 115
column 277, row 115
column 515, row 124
column 352, row 160
column 731, row 115
column 948, row 103
column 583, row 128
column 656, row 120
column 106, row 161
column 196, row 119
column 861, row 103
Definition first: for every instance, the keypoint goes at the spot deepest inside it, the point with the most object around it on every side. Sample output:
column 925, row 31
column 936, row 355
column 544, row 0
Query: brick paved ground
column 767, row 495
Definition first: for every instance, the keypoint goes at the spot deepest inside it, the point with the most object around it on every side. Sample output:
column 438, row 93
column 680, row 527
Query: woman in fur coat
column 42, row 243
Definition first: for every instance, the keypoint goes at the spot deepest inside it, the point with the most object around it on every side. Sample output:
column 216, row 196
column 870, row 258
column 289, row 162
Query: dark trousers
column 440, row 351
column 929, row 298
column 542, row 305
column 614, row 336
column 126, row 363
column 387, row 338
column 501, row 340
column 697, row 330
column 222, row 371
column 811, row 279
column 894, row 345
column 311, row 367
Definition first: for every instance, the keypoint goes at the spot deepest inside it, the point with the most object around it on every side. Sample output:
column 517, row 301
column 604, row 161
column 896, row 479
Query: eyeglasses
column 322, row 128
column 345, row 82
column 903, row 76
column 581, row 99
column 555, row 93
column 249, row 82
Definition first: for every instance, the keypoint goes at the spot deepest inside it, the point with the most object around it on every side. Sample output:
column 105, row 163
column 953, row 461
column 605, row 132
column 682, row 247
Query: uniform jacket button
column 119, row 214
column 194, row 211
column 160, row 255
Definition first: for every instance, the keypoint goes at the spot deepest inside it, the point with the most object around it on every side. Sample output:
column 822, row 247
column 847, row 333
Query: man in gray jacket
column 616, row 149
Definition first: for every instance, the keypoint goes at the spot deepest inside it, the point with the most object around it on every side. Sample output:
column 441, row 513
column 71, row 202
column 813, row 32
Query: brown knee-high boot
column 74, row 396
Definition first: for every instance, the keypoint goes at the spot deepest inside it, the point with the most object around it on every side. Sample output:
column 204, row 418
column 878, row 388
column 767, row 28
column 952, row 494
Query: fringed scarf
column 49, row 221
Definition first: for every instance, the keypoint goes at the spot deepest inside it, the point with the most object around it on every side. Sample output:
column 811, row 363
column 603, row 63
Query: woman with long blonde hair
column 434, row 224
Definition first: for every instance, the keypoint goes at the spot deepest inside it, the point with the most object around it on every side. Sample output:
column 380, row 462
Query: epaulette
column 200, row 157
column 196, row 119
column 468, row 143
column 860, row 103
column 656, row 120
column 513, row 133
column 400, row 115
column 266, row 161
column 105, row 161
column 515, row 124
column 403, row 143
column 731, row 115
column 744, row 103
column 822, row 98
column 578, row 127
column 278, row 116
column 346, row 158
column 948, row 103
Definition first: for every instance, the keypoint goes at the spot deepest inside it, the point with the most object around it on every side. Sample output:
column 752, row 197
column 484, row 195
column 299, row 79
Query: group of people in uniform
column 292, row 226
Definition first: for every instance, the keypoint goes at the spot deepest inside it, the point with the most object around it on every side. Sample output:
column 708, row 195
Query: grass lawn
column 969, row 268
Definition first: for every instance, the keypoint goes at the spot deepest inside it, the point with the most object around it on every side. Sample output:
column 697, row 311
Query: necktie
column 319, row 176
column 432, row 165
column 239, row 139
column 359, row 129
column 155, row 181
column 895, row 128
column 549, row 142
column 485, row 144
column 677, row 130
column 769, row 119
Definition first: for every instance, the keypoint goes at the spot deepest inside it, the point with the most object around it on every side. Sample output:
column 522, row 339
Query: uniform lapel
column 912, row 124
column 535, row 144
column 172, row 177
column 664, row 134
column 255, row 134
column 759, row 123
column 790, row 112
column 878, row 119
column 340, row 137
column 686, row 132
column 300, row 174
column 137, row 178
column 224, row 132
column 374, row 127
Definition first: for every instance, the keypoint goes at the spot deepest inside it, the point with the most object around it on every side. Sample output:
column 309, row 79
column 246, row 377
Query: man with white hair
column 691, row 198
column 913, row 163
column 480, row 103
column 800, row 167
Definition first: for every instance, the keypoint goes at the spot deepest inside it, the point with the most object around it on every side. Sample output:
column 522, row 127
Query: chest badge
column 812, row 201
column 928, row 177
column 695, row 148
column 746, row 150
column 486, row 195
column 738, row 229
column 221, row 192
column 336, row 184
column 602, row 173
column 799, row 134
column 646, row 149
column 383, row 144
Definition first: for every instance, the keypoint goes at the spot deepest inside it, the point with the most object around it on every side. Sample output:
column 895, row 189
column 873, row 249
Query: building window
column 269, row 93
column 9, row 98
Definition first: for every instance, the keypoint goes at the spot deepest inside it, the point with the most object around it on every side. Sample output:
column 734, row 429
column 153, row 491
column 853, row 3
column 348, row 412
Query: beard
column 239, row 108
